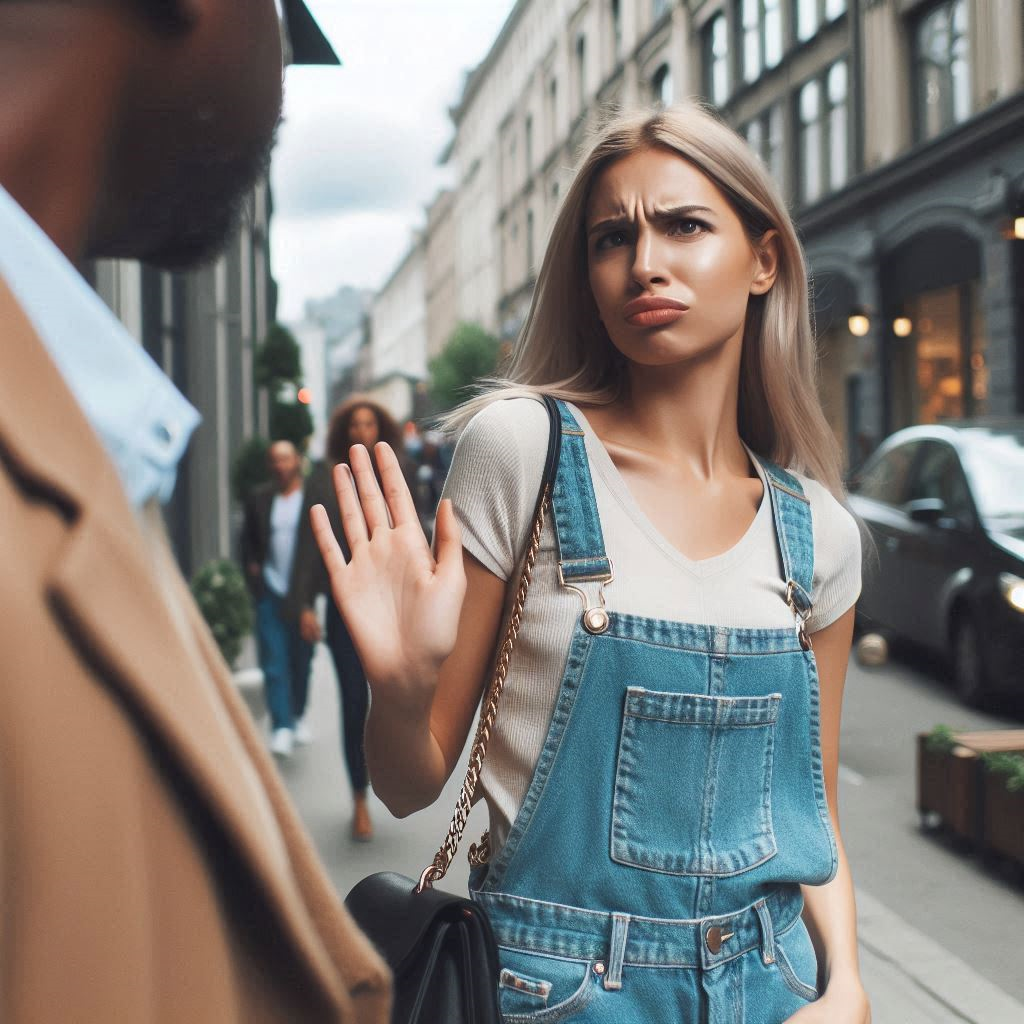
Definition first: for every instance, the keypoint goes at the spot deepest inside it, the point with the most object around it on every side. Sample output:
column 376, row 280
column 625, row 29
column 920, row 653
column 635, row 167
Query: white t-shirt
column 493, row 484
column 285, row 511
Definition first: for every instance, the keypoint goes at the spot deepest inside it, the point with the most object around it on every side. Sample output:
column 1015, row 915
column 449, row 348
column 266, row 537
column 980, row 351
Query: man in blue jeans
column 285, row 635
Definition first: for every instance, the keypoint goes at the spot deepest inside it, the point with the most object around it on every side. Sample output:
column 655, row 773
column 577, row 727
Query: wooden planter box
column 948, row 784
column 955, row 785
column 1003, row 818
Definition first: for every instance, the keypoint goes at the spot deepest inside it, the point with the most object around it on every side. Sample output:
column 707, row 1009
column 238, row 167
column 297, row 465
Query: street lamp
column 858, row 322
column 902, row 326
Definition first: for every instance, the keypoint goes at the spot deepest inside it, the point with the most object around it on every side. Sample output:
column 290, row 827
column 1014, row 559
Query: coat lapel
column 105, row 591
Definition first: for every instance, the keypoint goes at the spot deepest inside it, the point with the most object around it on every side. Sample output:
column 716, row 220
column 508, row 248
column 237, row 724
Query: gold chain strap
column 478, row 854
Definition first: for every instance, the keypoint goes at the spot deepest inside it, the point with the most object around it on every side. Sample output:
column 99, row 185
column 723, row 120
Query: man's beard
column 196, row 221
column 185, row 219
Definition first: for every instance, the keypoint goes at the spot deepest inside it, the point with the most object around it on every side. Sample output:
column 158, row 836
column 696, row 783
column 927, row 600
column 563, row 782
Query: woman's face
column 671, row 267
column 363, row 427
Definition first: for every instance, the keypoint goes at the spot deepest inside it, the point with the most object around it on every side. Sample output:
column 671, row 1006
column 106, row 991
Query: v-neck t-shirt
column 493, row 484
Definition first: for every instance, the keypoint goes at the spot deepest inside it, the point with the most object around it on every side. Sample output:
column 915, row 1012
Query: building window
column 716, row 60
column 658, row 8
column 528, row 139
column 529, row 242
column 616, row 12
column 552, row 112
column 812, row 14
column 765, row 136
column 661, row 86
column 823, row 111
column 943, row 70
column 761, row 22
column 581, row 71
column 838, row 129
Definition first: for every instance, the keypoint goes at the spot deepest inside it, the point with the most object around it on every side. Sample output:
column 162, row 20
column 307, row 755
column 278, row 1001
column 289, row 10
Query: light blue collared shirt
column 142, row 419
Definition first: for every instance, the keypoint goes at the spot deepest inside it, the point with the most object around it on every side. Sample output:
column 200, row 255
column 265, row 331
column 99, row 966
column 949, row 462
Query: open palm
column 401, row 604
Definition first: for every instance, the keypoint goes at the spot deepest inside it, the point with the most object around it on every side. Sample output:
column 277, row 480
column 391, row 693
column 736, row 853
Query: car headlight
column 1013, row 589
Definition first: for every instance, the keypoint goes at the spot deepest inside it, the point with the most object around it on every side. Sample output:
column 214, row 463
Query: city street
column 940, row 930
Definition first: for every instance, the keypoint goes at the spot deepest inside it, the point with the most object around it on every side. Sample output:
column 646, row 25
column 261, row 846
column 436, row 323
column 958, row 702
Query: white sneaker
column 303, row 733
column 281, row 742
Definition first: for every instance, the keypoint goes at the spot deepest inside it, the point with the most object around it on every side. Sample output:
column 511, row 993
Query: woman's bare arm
column 425, row 627
column 830, row 911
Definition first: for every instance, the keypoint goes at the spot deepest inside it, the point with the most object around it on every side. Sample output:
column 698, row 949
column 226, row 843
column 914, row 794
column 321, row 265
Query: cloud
column 348, row 157
column 359, row 249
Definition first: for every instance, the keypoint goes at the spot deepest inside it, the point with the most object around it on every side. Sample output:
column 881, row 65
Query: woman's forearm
column 404, row 759
column 830, row 913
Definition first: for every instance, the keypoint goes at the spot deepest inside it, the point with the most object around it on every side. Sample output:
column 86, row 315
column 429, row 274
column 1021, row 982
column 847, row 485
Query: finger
column 448, row 542
column 396, row 490
column 330, row 551
column 372, row 501
column 353, row 524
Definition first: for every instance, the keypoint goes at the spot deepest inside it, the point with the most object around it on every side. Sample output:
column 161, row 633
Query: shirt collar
column 142, row 419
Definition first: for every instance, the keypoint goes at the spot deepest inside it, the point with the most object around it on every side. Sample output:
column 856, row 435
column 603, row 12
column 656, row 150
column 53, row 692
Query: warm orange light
column 858, row 324
column 304, row 396
column 902, row 327
column 1018, row 227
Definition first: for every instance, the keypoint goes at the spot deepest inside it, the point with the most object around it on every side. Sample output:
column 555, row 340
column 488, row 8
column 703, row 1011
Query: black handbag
column 440, row 947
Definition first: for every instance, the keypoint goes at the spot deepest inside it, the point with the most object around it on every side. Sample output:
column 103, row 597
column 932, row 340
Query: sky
column 356, row 159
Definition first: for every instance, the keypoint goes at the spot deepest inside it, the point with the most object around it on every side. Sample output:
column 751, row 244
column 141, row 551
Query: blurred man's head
column 285, row 463
column 182, row 95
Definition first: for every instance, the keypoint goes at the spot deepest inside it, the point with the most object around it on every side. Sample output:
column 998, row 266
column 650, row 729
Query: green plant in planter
column 219, row 590
column 940, row 740
column 1010, row 765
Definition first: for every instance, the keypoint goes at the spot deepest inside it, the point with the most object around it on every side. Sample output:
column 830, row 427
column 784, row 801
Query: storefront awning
column 309, row 45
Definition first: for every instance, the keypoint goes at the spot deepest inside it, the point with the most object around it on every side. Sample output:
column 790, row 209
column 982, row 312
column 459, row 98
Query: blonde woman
column 665, row 841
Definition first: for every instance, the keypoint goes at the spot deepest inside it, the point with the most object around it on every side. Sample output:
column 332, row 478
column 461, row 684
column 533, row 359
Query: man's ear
column 766, row 252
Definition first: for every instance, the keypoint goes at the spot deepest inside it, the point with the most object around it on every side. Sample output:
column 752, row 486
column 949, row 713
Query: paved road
column 940, row 933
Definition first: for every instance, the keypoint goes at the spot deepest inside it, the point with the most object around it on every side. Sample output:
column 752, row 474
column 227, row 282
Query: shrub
column 941, row 740
column 219, row 590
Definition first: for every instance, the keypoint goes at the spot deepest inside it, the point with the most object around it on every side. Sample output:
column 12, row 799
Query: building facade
column 895, row 129
column 398, row 334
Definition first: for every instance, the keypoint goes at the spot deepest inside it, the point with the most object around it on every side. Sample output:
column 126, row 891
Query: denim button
column 599, row 968
column 715, row 937
column 595, row 620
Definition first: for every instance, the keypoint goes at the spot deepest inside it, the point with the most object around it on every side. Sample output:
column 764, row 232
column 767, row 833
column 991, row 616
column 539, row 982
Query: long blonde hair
column 564, row 350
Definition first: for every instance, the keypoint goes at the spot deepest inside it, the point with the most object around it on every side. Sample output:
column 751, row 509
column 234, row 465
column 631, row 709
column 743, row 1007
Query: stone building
column 895, row 129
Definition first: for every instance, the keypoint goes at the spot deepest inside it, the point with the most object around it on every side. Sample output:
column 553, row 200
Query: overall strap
column 794, row 531
column 582, row 561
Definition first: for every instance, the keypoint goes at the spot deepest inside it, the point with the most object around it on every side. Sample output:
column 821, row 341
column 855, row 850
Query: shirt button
column 167, row 432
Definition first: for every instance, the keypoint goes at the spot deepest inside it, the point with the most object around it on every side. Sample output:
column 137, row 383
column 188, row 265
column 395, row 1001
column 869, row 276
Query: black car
column 945, row 506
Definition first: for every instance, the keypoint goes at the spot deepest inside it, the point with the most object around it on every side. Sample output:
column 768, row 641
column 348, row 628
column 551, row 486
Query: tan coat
column 152, row 868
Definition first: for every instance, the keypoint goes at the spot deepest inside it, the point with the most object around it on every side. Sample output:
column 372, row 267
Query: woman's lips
column 656, row 317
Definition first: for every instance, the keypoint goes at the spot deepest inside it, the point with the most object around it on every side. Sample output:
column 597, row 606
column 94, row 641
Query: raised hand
column 401, row 604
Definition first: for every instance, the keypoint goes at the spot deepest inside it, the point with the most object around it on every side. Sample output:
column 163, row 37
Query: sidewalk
column 909, row 977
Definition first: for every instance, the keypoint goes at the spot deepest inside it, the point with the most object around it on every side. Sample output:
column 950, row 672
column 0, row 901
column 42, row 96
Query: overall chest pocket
column 693, row 783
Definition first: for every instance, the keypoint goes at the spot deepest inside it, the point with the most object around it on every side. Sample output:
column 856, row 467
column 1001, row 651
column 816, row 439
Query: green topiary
column 291, row 423
column 219, row 590
column 250, row 468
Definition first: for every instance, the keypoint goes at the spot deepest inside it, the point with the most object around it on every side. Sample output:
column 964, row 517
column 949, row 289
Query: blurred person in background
column 285, row 633
column 662, row 776
column 364, row 422
column 152, row 867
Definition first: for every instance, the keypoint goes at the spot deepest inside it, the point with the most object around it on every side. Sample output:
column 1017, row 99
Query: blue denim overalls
column 652, row 873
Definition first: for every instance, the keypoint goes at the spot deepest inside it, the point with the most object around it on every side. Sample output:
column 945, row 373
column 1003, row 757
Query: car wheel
column 969, row 675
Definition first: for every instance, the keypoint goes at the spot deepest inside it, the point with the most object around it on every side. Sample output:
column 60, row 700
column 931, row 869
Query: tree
column 470, row 354
column 278, row 359
column 250, row 468
column 279, row 370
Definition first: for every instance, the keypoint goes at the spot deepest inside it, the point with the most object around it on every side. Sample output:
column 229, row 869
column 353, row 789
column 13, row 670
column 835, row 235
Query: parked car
column 945, row 506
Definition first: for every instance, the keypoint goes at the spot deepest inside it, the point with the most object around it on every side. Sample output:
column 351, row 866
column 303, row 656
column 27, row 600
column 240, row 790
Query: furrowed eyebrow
column 660, row 213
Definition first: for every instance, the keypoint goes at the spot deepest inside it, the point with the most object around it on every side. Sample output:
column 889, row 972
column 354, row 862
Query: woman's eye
column 688, row 227
column 611, row 239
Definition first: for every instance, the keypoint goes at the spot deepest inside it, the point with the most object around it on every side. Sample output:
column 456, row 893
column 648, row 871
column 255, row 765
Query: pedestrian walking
column 661, row 779
column 285, row 634
column 364, row 422
column 152, row 867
